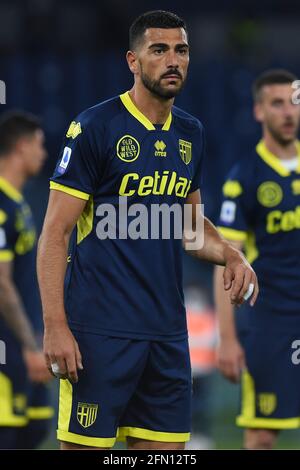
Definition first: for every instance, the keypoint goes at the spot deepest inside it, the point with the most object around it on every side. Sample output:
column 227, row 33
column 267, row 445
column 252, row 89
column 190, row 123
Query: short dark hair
column 13, row 125
column 271, row 77
column 153, row 19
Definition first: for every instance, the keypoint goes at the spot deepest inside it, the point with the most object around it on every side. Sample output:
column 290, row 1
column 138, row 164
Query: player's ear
column 132, row 61
column 258, row 112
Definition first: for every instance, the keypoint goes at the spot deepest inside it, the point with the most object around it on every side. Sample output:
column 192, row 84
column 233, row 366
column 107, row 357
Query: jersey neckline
column 273, row 161
column 10, row 190
column 137, row 114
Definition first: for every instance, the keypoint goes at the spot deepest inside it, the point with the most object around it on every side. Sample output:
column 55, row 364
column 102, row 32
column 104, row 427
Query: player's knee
column 71, row 446
column 260, row 438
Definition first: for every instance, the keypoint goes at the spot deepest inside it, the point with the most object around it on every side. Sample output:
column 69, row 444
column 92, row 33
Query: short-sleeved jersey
column 18, row 244
column 261, row 208
column 114, row 155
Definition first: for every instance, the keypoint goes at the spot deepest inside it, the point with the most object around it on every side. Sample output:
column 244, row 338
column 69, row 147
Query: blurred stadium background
column 60, row 57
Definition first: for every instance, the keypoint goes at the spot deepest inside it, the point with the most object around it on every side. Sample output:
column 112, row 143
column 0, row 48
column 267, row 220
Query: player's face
column 163, row 59
column 34, row 153
column 277, row 113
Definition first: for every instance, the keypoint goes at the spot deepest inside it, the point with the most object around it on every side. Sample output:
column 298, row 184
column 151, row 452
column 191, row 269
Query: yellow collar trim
column 9, row 190
column 131, row 107
column 274, row 162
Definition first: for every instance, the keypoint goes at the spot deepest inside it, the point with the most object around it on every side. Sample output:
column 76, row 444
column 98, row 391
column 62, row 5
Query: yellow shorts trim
column 71, row 191
column 268, row 423
column 150, row 435
column 7, row 416
column 85, row 440
column 40, row 412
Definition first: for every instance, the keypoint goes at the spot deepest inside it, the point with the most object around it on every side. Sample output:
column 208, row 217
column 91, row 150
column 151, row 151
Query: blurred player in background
column 24, row 403
column 122, row 306
column 261, row 212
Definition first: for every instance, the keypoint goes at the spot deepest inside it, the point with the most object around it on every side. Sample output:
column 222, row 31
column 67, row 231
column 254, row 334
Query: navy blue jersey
column 261, row 207
column 18, row 244
column 114, row 155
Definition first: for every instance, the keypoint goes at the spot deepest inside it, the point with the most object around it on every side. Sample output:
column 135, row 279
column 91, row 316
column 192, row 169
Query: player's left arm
column 238, row 274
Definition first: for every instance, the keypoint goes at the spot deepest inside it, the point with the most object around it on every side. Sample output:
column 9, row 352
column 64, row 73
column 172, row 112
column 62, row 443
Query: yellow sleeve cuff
column 232, row 234
column 6, row 255
column 68, row 190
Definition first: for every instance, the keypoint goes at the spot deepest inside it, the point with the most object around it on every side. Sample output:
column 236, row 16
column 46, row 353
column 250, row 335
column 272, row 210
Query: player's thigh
column 270, row 386
column 160, row 408
column 90, row 410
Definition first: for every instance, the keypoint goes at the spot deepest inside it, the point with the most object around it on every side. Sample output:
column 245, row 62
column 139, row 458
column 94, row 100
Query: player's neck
column 11, row 173
column 283, row 152
column 154, row 108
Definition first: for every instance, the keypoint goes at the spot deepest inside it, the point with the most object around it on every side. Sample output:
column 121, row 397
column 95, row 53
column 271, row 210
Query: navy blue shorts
column 270, row 393
column 20, row 399
column 128, row 388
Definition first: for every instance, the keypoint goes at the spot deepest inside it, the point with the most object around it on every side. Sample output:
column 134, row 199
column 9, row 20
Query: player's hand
column 36, row 366
column 230, row 359
column 61, row 348
column 239, row 277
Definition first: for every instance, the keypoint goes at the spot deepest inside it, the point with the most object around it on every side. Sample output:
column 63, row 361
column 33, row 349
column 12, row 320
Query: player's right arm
column 230, row 354
column 60, row 345
column 236, row 217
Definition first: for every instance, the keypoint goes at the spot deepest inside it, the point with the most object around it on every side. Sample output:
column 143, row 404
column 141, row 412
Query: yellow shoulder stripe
column 68, row 190
column 9, row 190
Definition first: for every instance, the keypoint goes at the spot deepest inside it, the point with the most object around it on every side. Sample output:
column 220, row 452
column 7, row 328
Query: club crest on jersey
column 160, row 149
column 128, row 149
column 74, row 130
column 185, row 150
column 269, row 194
column 86, row 414
column 65, row 160
column 267, row 403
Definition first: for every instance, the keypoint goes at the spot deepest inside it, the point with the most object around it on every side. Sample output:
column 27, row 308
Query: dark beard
column 156, row 89
column 281, row 140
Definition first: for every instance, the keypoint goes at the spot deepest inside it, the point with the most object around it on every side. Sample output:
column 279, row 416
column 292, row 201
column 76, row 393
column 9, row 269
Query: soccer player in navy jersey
column 114, row 315
column 24, row 401
column 261, row 212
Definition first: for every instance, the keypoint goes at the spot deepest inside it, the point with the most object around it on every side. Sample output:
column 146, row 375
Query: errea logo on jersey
column 65, row 160
column 160, row 148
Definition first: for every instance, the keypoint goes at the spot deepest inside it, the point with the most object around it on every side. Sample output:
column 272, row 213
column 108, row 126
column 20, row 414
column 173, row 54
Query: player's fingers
column 58, row 361
column 78, row 357
column 72, row 367
column 246, row 286
column 229, row 370
column 228, row 278
column 237, row 285
column 256, row 290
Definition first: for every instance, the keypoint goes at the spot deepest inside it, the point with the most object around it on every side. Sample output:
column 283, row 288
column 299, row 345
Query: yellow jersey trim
column 273, row 161
column 135, row 112
column 41, row 412
column 232, row 234
column 85, row 440
column 150, row 435
column 71, row 191
column 10, row 190
column 6, row 255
